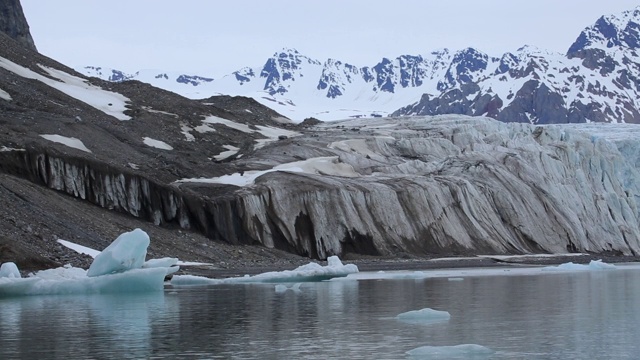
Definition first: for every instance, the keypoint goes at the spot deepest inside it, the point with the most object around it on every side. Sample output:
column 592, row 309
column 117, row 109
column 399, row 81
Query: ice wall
column 454, row 184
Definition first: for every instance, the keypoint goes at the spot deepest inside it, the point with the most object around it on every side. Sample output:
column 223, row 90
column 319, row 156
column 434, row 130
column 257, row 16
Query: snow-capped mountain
column 597, row 80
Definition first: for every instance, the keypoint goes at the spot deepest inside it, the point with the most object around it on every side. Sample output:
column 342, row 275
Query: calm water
column 592, row 315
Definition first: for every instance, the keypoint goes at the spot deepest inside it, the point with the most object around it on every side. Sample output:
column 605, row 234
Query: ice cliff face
column 454, row 184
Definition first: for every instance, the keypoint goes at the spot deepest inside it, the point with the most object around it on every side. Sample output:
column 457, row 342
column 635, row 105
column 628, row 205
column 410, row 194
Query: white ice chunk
column 464, row 351
column 167, row 263
column 455, row 279
column 192, row 280
column 162, row 262
column 424, row 316
column 570, row 266
column 306, row 273
column 127, row 252
column 9, row 270
column 62, row 273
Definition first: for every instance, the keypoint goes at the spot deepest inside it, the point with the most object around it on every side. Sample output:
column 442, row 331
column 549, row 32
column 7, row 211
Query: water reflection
column 58, row 326
column 572, row 316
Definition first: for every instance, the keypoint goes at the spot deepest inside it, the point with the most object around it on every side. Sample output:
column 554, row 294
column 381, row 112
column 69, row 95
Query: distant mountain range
column 597, row 80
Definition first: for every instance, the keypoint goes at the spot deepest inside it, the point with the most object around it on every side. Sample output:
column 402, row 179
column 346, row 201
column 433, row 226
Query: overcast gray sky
column 217, row 37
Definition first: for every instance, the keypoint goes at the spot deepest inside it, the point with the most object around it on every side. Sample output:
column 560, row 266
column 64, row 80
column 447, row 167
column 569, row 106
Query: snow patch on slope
column 68, row 141
column 156, row 143
column 5, row 95
column 109, row 102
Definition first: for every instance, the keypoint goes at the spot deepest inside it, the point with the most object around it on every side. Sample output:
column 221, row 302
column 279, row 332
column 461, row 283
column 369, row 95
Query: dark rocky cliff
column 14, row 24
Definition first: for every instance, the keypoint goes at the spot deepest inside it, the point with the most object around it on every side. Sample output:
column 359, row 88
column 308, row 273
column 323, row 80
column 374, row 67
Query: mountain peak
column 287, row 50
column 621, row 30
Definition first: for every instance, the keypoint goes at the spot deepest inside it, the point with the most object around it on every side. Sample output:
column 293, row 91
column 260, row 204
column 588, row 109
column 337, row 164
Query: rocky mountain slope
column 227, row 180
column 596, row 81
column 57, row 126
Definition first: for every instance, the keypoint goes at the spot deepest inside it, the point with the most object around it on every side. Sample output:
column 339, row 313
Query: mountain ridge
column 439, row 82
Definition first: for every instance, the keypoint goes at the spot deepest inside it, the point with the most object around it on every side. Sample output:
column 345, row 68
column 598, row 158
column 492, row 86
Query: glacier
column 441, row 185
column 453, row 184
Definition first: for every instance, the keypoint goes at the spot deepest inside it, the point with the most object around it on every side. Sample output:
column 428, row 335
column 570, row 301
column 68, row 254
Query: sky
column 215, row 38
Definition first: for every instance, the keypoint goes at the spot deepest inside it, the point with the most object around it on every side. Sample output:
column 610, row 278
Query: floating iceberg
column 120, row 268
column 311, row 272
column 424, row 316
column 593, row 265
column 464, row 351
column 126, row 252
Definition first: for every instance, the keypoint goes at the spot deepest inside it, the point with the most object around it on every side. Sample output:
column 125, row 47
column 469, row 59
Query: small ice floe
column 455, row 279
column 311, row 272
column 464, row 351
column 120, row 268
column 424, row 316
column 593, row 265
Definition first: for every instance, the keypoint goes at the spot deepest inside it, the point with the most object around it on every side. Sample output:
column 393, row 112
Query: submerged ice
column 464, row 351
column 121, row 267
column 424, row 316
